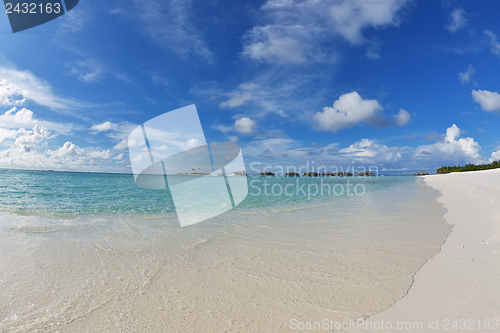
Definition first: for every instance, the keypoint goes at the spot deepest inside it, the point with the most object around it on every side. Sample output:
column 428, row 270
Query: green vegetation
column 468, row 167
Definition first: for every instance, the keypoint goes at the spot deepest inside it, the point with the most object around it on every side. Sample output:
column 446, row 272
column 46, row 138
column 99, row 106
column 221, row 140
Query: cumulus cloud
column 245, row 125
column 452, row 148
column 495, row 45
column 402, row 118
column 240, row 96
column 29, row 139
column 29, row 152
column 368, row 151
column 295, row 31
column 15, row 118
column 448, row 149
column 465, row 77
column 106, row 126
column 458, row 20
column 10, row 134
column 351, row 109
column 489, row 101
column 28, row 148
column 118, row 132
column 67, row 150
column 284, row 151
column 10, row 94
column 495, row 156
column 193, row 143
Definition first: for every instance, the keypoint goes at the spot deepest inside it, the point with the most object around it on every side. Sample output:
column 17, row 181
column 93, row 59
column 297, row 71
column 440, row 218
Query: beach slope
column 458, row 289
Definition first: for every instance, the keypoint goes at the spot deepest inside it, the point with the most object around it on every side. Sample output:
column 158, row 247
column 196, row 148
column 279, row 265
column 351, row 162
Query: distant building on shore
column 239, row 173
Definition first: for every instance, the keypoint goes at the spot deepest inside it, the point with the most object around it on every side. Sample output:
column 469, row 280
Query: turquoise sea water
column 69, row 194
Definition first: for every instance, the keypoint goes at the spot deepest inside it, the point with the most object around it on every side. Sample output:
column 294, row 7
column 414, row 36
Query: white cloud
column 15, row 118
column 163, row 147
column 31, row 138
column 495, row 45
column 495, row 156
column 489, row 101
column 118, row 132
column 452, row 148
column 67, row 150
column 269, row 45
column 104, row 154
column 122, row 145
column 352, row 16
column 296, row 31
column 233, row 139
column 125, row 143
column 137, row 158
column 10, row 134
column 193, row 143
column 466, row 76
column 349, row 110
column 457, row 20
column 29, row 152
column 448, row 149
column 119, row 156
column 275, row 91
column 283, row 152
column 75, row 20
column 369, row 152
column 106, row 126
column 10, row 94
column 240, row 96
column 89, row 70
column 17, row 86
column 402, row 118
column 224, row 129
column 245, row 125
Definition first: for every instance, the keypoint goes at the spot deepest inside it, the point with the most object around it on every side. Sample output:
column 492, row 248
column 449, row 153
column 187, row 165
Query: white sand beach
column 459, row 289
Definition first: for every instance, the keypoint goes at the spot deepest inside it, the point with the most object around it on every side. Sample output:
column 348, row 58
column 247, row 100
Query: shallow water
column 252, row 269
column 72, row 194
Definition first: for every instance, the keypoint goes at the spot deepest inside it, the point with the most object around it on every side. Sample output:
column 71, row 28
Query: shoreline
column 457, row 289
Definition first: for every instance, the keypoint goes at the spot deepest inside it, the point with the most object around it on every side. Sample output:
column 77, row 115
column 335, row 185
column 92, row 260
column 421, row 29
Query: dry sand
column 458, row 290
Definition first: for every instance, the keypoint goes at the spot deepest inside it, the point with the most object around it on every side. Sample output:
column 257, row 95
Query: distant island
column 468, row 167
column 193, row 174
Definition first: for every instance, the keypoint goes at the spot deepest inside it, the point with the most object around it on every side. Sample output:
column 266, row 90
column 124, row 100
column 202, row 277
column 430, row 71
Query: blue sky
column 397, row 84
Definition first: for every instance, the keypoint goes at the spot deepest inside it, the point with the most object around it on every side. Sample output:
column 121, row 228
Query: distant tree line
column 468, row 167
